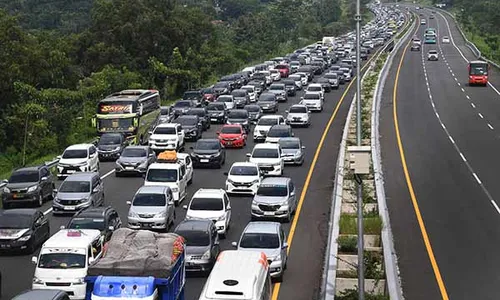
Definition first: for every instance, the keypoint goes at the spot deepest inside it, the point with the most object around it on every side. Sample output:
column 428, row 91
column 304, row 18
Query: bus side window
column 266, row 293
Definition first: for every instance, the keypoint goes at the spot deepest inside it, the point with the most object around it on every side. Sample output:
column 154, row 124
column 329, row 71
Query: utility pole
column 361, row 273
column 25, row 138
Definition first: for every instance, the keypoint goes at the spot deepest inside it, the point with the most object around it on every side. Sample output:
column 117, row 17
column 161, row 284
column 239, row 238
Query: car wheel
column 103, row 200
column 191, row 179
column 39, row 201
column 6, row 205
column 280, row 277
column 31, row 248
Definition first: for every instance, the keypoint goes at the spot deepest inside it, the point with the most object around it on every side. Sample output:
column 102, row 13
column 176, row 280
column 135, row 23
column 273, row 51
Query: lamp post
column 25, row 139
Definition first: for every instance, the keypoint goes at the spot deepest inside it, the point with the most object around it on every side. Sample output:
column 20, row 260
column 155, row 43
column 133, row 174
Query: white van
column 239, row 275
column 64, row 259
column 172, row 174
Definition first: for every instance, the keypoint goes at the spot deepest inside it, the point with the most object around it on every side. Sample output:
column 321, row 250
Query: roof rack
column 167, row 157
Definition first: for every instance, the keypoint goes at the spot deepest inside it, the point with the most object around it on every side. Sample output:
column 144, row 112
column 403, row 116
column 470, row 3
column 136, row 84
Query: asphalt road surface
column 440, row 144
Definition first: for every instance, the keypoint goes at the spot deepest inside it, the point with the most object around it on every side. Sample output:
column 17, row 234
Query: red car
column 284, row 70
column 208, row 95
column 232, row 135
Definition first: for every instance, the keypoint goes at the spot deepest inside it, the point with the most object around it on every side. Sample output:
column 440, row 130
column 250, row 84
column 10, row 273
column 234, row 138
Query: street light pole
column 25, row 139
column 361, row 275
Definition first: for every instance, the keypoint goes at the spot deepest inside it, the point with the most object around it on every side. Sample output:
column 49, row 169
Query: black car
column 241, row 98
column 111, row 145
column 195, row 96
column 203, row 114
column 340, row 75
column 183, row 106
column 166, row 114
column 208, row 152
column 325, row 83
column 222, row 88
column 31, row 185
column 239, row 116
column 23, row 229
column 42, row 295
column 105, row 219
column 254, row 112
column 191, row 126
column 268, row 102
column 217, row 112
column 290, row 86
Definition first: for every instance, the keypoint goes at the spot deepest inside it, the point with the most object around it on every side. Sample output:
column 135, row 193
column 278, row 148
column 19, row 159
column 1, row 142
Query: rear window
column 206, row 204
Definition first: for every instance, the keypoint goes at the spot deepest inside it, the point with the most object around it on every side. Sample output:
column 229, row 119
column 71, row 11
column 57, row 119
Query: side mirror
column 95, row 190
column 150, row 132
column 185, row 207
column 34, row 260
column 171, row 203
column 55, row 191
column 286, row 111
column 62, row 227
column 303, row 147
column 129, row 202
column 285, row 245
column 249, row 155
column 5, row 181
column 234, row 244
column 293, row 134
column 59, row 156
column 217, row 133
column 216, row 243
column 292, row 194
column 226, row 173
column 111, row 228
column 301, row 98
column 91, row 260
column 43, row 178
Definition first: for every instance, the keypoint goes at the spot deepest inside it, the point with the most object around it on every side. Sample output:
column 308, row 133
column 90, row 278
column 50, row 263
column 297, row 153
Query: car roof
column 232, row 125
column 244, row 164
column 211, row 193
column 298, row 105
column 289, row 139
column 266, row 146
column 79, row 147
column 92, row 212
column 28, row 169
column 276, row 180
column 64, row 239
column 271, row 117
column 194, row 225
column 166, row 125
column 18, row 212
column 81, row 176
column 209, row 140
column 38, row 294
column 281, row 126
column 187, row 117
column 262, row 227
column 152, row 189
column 137, row 147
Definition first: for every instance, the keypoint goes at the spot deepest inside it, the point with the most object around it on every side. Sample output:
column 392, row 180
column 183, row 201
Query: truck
column 139, row 264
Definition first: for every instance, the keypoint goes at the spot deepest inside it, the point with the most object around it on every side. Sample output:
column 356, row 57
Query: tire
column 6, row 205
column 191, row 180
column 39, row 203
column 51, row 195
column 279, row 278
column 103, row 200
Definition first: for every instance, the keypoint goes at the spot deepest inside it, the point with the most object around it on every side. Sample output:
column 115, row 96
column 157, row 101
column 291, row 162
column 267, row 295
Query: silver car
column 298, row 115
column 270, row 238
column 152, row 208
column 275, row 199
column 292, row 150
column 79, row 191
column 134, row 160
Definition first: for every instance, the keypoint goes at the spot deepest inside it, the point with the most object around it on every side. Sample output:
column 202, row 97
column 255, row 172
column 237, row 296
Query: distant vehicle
column 195, row 96
column 432, row 55
column 130, row 112
column 78, row 158
column 446, row 39
column 77, row 192
column 111, row 145
column 478, row 72
column 430, row 39
column 423, row 22
column 134, row 160
column 23, row 230
column 166, row 114
column 415, row 46
column 254, row 112
column 105, row 219
column 30, row 185
column 217, row 112
column 298, row 115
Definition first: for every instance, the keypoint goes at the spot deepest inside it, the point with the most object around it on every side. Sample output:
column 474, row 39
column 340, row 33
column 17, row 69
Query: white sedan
column 446, row 40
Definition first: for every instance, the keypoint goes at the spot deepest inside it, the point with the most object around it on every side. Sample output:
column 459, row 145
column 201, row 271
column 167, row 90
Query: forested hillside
column 59, row 57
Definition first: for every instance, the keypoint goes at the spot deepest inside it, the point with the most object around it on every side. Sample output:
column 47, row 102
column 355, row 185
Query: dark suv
column 217, row 112
column 203, row 114
column 208, row 152
column 31, row 185
column 105, row 219
column 192, row 126
column 111, row 145
column 195, row 96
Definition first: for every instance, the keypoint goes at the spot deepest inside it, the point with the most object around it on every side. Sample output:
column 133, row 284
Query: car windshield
column 110, row 139
column 162, row 175
column 276, row 87
column 164, row 111
column 239, row 93
column 144, row 199
column 164, row 130
column 265, row 153
column 197, row 112
column 13, row 221
column 206, row 204
column 231, row 130
column 267, row 98
column 62, row 261
column 207, row 145
column 75, row 187
column 216, row 106
column 244, row 171
column 272, row 190
column 311, row 96
column 187, row 121
column 314, row 88
column 183, row 104
column 207, row 91
column 195, row 238
column 248, row 88
column 87, row 223
column 237, row 114
column 221, row 85
column 279, row 132
column 260, row 241
column 298, row 110
column 131, row 152
column 268, row 121
column 289, row 144
column 23, row 176
column 225, row 99
column 331, row 76
column 75, row 154
column 252, row 108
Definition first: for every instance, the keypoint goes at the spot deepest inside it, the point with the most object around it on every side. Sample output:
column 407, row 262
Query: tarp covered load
column 139, row 253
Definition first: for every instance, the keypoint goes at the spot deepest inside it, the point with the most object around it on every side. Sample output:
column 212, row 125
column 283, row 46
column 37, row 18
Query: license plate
column 70, row 171
column 17, row 196
column 204, row 160
column 229, row 143
column 213, row 119
column 268, row 213
column 129, row 168
column 147, row 225
column 69, row 207
column 3, row 246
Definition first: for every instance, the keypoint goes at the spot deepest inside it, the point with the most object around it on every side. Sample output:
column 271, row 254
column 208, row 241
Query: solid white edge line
column 451, row 139
column 495, row 205
column 480, row 115
column 462, row 156
column 491, row 127
column 477, row 178
column 467, row 96
column 473, row 105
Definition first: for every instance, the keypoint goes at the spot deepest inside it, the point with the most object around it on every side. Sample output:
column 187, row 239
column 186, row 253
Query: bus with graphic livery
column 131, row 112
column 478, row 72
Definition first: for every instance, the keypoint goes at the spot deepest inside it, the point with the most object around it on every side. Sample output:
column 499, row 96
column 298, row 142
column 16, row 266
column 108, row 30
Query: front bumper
column 293, row 160
column 20, row 198
column 269, row 108
column 163, row 146
column 75, row 291
column 295, row 121
column 13, row 245
column 129, row 169
column 200, row 161
column 111, row 155
column 65, row 171
column 221, row 227
column 198, row 265
column 268, row 170
column 147, row 223
column 275, row 268
column 72, row 207
column 270, row 211
column 241, row 188
column 217, row 118
column 232, row 143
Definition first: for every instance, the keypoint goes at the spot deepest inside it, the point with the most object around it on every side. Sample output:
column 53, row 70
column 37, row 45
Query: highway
column 314, row 180
column 440, row 140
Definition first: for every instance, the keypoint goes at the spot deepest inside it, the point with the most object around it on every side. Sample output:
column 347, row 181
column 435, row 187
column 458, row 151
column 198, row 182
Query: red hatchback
column 232, row 136
column 284, row 70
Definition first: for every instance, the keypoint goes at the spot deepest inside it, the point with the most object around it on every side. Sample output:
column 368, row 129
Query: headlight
column 161, row 214
column 221, row 218
column 6, row 190
column 206, row 255
column 175, row 189
column 24, row 238
column 36, row 280
column 255, row 181
column 216, row 154
column 133, row 214
column 32, row 188
column 79, row 280
column 117, row 148
column 230, row 181
column 84, row 200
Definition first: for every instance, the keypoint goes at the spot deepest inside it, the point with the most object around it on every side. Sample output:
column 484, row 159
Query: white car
column 188, row 162
column 298, row 115
column 313, row 101
column 297, row 79
column 172, row 175
column 316, row 88
column 275, row 74
column 432, row 55
column 77, row 158
column 251, row 92
column 267, row 74
column 211, row 204
column 303, row 77
column 269, row 159
column 243, row 178
column 167, row 136
column 228, row 100
column 446, row 40
column 264, row 124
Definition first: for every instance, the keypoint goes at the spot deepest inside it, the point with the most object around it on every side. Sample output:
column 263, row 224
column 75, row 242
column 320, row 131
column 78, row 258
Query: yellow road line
column 420, row 220
column 277, row 286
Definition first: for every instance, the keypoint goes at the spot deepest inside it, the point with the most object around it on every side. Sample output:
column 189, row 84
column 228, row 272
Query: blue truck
column 139, row 264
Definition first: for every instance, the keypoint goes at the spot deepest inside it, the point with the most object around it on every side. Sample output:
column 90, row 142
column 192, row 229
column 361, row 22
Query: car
column 166, row 114
column 170, row 171
column 292, row 150
column 23, row 230
column 252, row 93
column 202, row 244
column 213, row 205
column 313, row 101
column 111, row 145
column 254, row 112
column 228, row 100
column 217, row 112
column 280, row 91
column 202, row 113
column 415, row 46
column 195, row 96
column 263, row 126
column 284, row 70
column 232, row 135
column 431, row 17
column 208, row 152
column 294, row 66
column 30, row 185
column 152, row 208
column 275, row 199
column 167, row 136
column 182, row 106
column 268, row 102
column 191, row 125
column 432, row 55
column 297, row 79
column 304, row 77
column 134, row 160
column 298, row 115
column 222, row 88
column 241, row 98
column 77, row 158
column 77, row 192
column 239, row 116
column 290, row 87
column 259, row 86
column 446, row 40
column 243, row 178
column 423, row 21
column 325, row 83
column 333, row 79
column 275, row 74
column 209, row 94
column 268, row 157
column 347, row 73
column 42, row 295
column 187, row 160
column 105, row 219
column 276, row 132
column 269, row 238
column 316, row 88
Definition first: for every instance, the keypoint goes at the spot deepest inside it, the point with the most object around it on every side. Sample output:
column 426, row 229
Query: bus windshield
column 478, row 69
column 120, row 125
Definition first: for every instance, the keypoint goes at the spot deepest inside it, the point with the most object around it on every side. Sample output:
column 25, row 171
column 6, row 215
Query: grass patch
column 372, row 225
column 348, row 224
column 347, row 243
